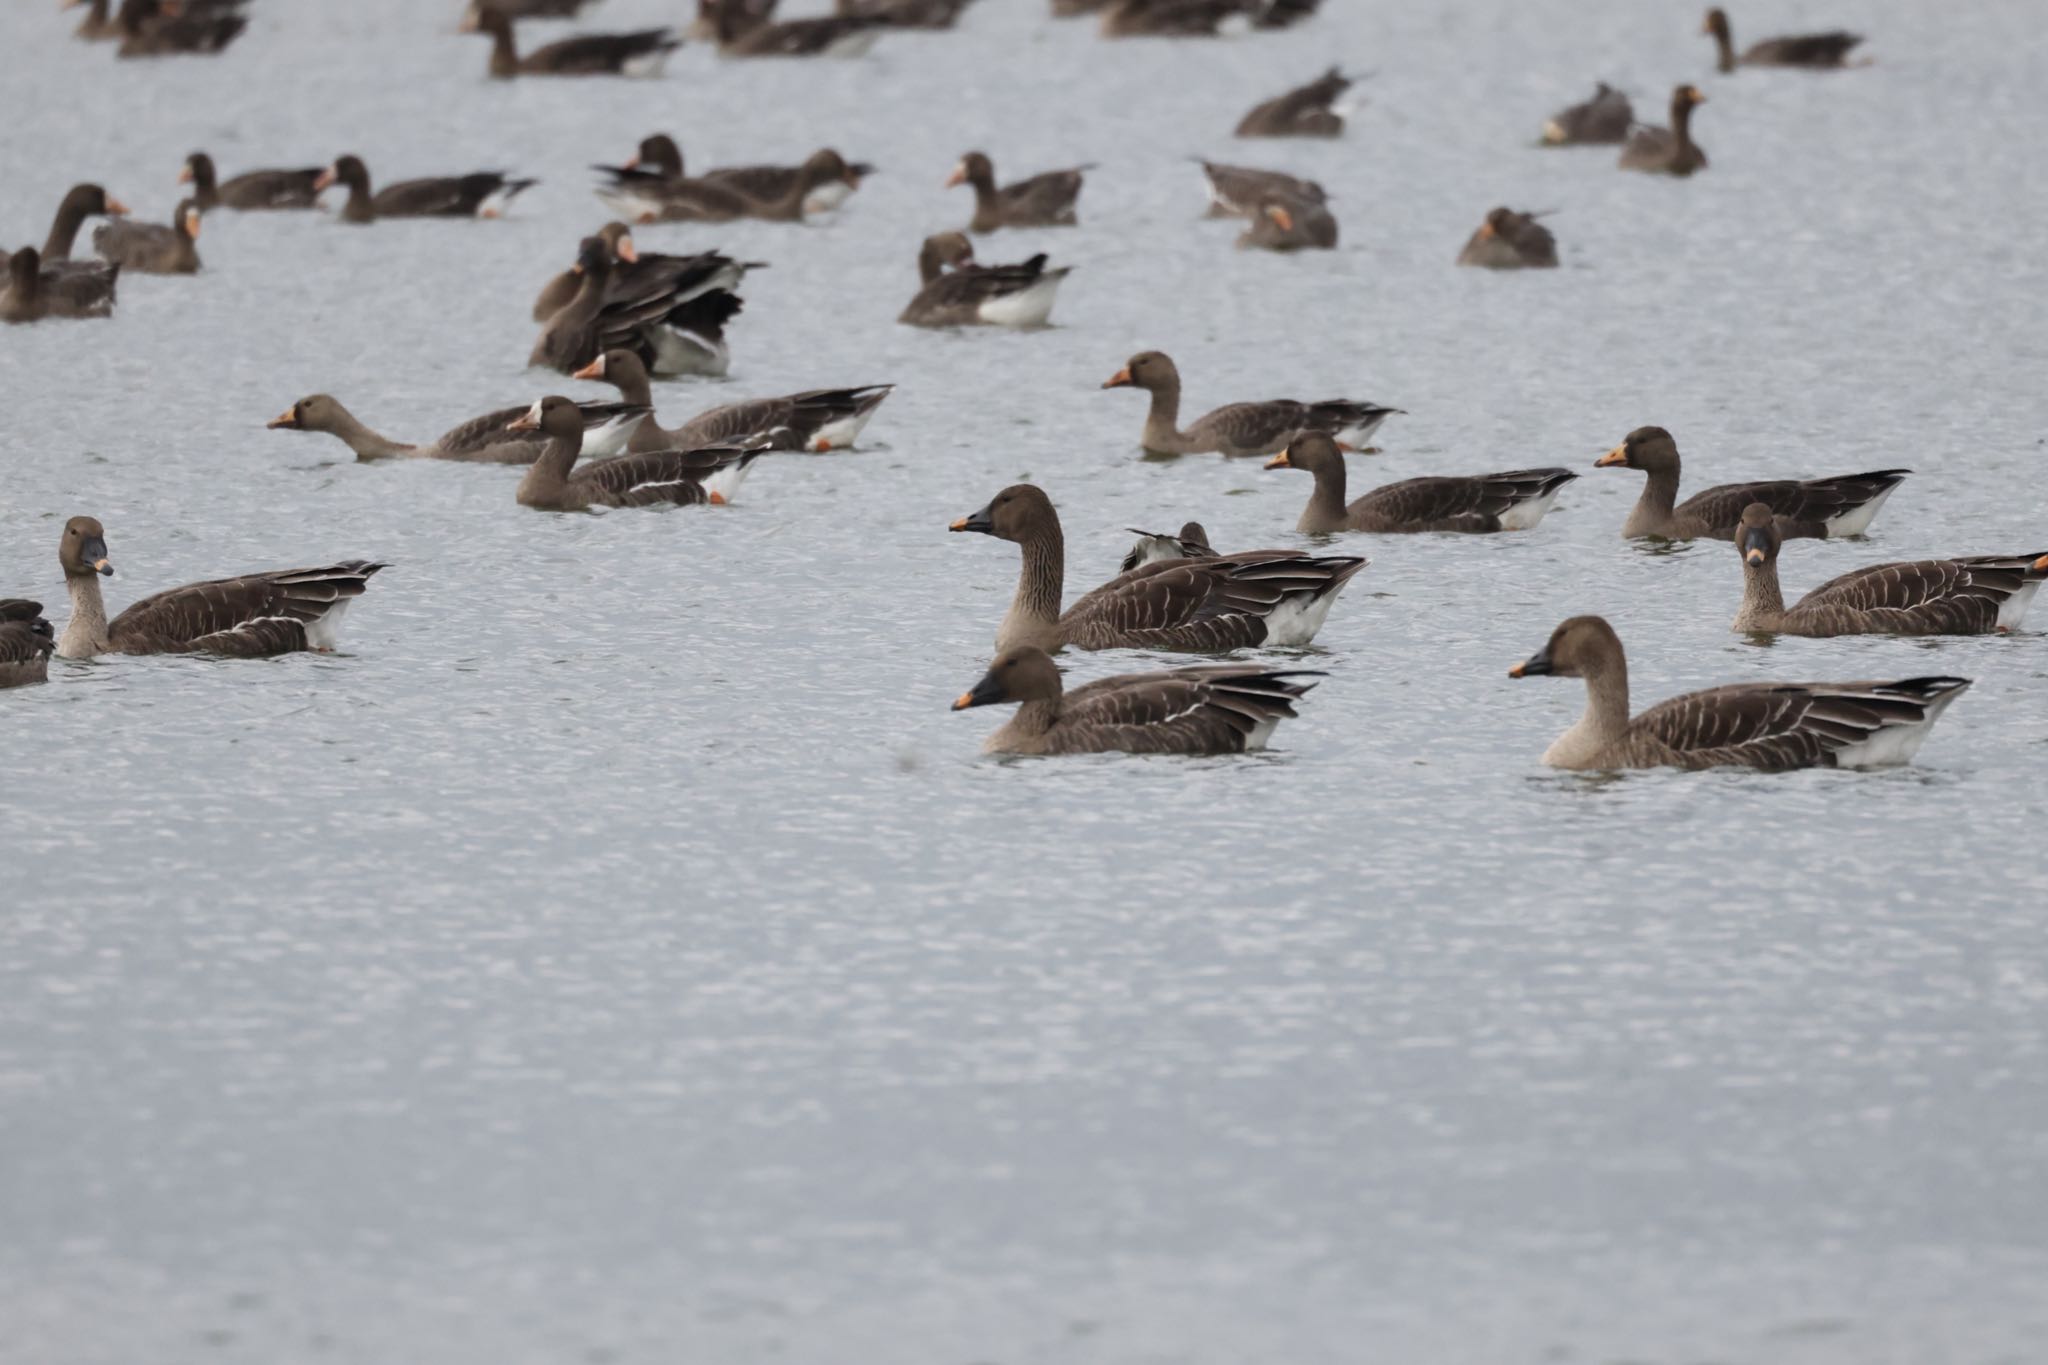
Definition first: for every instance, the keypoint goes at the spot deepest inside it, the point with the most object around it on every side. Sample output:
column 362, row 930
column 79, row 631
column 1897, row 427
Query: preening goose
column 557, row 293
column 1510, row 241
column 643, row 52
column 26, row 641
column 489, row 439
column 1220, row 709
column 1238, row 191
column 1306, row 111
column 1974, row 596
column 671, row 478
column 671, row 311
column 969, row 294
column 253, row 616
column 741, row 34
column 1236, row 601
column 483, row 194
column 1773, row 727
column 152, row 248
column 161, row 28
column 78, row 289
column 1045, row 200
column 1603, row 119
column 1284, row 224
column 1156, row 547
column 816, row 420
column 1841, row 506
column 1238, row 429
column 293, row 189
column 1512, row 501
column 1815, row 51
column 1668, row 151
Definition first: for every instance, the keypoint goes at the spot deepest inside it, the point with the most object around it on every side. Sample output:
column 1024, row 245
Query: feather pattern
column 26, row 642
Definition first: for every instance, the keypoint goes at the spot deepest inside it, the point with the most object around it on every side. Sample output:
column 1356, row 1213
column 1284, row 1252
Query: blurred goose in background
column 1238, row 191
column 816, row 420
column 1238, row 429
column 1045, row 200
column 152, row 248
column 1307, row 111
column 483, row 194
column 77, row 289
column 1510, row 241
column 1605, row 118
column 1473, row 504
column 1668, row 151
column 671, row 478
column 26, row 642
column 521, row 9
column 98, row 24
column 651, row 186
column 1287, row 224
column 928, row 14
column 670, row 311
column 741, row 33
column 643, row 52
column 22, row 300
column 1815, row 51
column 958, row 292
column 489, row 439
column 1841, row 506
column 161, row 28
column 1195, row 18
column 749, row 14
column 292, row 189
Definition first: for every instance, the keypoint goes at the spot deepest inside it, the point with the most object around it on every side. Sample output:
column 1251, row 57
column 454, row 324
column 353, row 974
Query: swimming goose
column 740, row 34
column 1238, row 429
column 821, row 168
column 483, row 194
column 671, row 311
column 555, row 295
column 768, row 184
column 1236, row 601
column 158, row 28
column 1197, row 18
column 643, row 52
column 152, row 248
column 249, row 190
column 1605, row 118
column 1219, row 709
column 253, row 616
column 660, row 478
column 522, row 9
column 1512, row 501
column 1044, row 200
column 1815, row 51
column 1307, row 111
column 905, row 13
column 969, row 294
column 1974, row 596
column 651, row 188
column 750, row 13
column 1238, row 191
column 1773, row 727
column 489, row 439
column 26, row 641
column 1156, row 547
column 1668, row 151
column 78, row 289
column 816, row 420
column 1510, row 241
column 1287, row 224
column 1836, row 507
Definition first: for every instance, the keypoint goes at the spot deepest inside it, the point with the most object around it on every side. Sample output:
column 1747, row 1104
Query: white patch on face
column 533, row 413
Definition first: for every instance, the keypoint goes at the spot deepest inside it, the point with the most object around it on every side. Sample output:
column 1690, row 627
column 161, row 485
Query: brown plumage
column 1604, row 119
column 1306, row 111
column 77, row 289
column 482, row 194
column 292, row 189
column 1238, row 191
column 926, row 14
column 1514, row 500
column 661, row 478
column 152, row 248
column 1192, row 18
column 1836, row 507
column 1510, row 241
column 26, row 641
column 557, row 293
column 651, row 188
column 816, row 420
column 1238, row 429
column 642, row 52
column 22, row 300
column 1287, row 224
column 1668, row 151
column 1814, row 51
column 671, row 311
column 958, row 292
column 489, row 439
column 741, row 33
column 1045, row 200
column 156, row 28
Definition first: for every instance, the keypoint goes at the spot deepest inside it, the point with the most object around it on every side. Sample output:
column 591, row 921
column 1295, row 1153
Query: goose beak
column 1282, row 217
column 1486, row 231
column 2041, row 564
column 594, row 370
column 987, row 692
column 1616, row 456
column 115, row 208
column 1535, row 666
column 632, row 163
column 627, row 251
column 982, row 521
column 288, row 420
column 324, row 179
column 963, row 701
column 96, row 555
column 1280, row 461
column 958, row 177
column 185, row 174
column 529, row 422
column 1120, row 380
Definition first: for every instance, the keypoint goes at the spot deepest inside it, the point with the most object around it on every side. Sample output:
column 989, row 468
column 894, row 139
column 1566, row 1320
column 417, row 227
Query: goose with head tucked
column 1668, row 151
column 26, row 642
column 1045, row 200
column 1238, row 429
column 1306, row 111
column 660, row 478
column 670, row 311
column 1283, row 223
column 642, row 52
column 482, row 194
column 958, row 292
column 1508, row 240
column 1604, row 119
column 1841, row 506
column 292, row 189
column 489, row 439
column 1156, row 547
column 816, row 420
column 152, row 248
column 1514, row 500
column 1827, row 51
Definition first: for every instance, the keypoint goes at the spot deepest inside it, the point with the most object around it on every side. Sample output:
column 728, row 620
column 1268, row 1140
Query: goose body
column 1604, row 119
column 149, row 28
column 662, row 478
column 482, row 194
column 671, row 311
column 489, row 439
column 927, row 14
column 816, row 420
column 1667, row 151
column 1046, row 200
column 152, row 248
column 1238, row 429
column 1807, row 509
column 1238, row 191
column 1193, row 18
column 292, row 189
column 643, row 52
column 744, row 31
column 970, row 295
column 77, row 289
column 1827, row 51
column 1515, row 500
column 1286, row 224
column 1307, row 111
column 1508, row 240
column 26, row 642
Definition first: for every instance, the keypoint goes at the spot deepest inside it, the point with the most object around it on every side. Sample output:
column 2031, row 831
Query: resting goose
column 1668, row 151
column 1156, row 547
column 975, row 295
column 1605, row 118
column 739, row 34
column 1510, row 241
column 767, row 184
column 661, row 478
column 489, row 439
column 251, row 189
column 1238, row 429
column 816, row 420
column 152, row 248
column 253, row 616
column 1772, row 727
column 1832, row 508
column 1045, row 200
column 643, row 52
column 671, row 311
column 1815, row 51
column 1307, row 111
column 1285, row 224
column 1480, row 503
column 158, row 28
column 1239, row 601
column 1975, row 596
column 78, row 289
column 483, row 194
column 26, row 641
column 1238, row 191
column 1220, row 709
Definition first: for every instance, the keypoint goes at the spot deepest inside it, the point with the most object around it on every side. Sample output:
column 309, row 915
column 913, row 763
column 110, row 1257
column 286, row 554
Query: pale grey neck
column 1026, row 730
column 1763, row 601
column 85, row 634
column 1603, row 724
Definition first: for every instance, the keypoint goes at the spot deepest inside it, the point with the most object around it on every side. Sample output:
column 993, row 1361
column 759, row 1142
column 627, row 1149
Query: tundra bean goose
column 1974, row 596
column 1605, row 118
column 1238, row 429
column 483, row 194
column 670, row 311
column 741, row 34
column 1045, row 200
column 1773, row 727
column 1238, row 191
column 1307, row 111
column 1156, row 547
column 672, row 478
column 1284, row 224
column 556, row 294
column 1194, row 605
column 1815, row 51
column 489, row 439
column 26, row 641
column 643, row 52
column 152, row 248
column 1668, row 151
column 816, row 420
column 971, row 295
column 1512, row 501
column 249, row 190
column 1220, row 709
column 253, row 616
column 1841, row 506
column 1510, row 241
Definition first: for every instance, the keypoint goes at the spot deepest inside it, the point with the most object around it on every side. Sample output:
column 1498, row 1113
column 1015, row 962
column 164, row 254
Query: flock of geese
column 625, row 317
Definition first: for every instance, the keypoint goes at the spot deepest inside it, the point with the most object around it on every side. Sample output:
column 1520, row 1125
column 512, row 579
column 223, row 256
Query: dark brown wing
column 1804, row 508
column 596, row 54
column 25, row 637
column 1779, row 727
column 661, row 476
column 1200, row 606
column 256, row 614
column 1479, row 503
column 452, row 196
column 271, row 189
column 1804, row 49
column 80, row 289
column 1186, row 711
column 1927, row 597
column 1256, row 427
column 799, row 37
column 1043, row 199
column 1238, row 189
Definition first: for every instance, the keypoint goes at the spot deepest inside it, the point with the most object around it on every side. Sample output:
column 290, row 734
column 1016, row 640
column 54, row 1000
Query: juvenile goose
column 740, row 34
column 1156, row 547
column 970, row 295
column 1510, row 241
column 1236, row 601
column 671, row 311
column 78, row 289
column 1284, row 224
column 661, row 478
column 483, row 194
column 1974, row 596
column 1605, row 118
column 1773, row 727
column 556, row 294
column 249, row 190
column 26, row 640
column 643, row 52
column 253, row 616
column 1226, row 709
column 1668, row 151
column 152, row 248
column 1511, row 501
column 816, row 420
column 1238, row 429
column 1307, row 111
column 1836, row 507
column 1238, row 191
column 1815, row 51
column 489, row 439
column 1044, row 200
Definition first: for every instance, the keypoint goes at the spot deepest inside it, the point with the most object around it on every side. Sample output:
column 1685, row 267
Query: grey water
column 618, row 952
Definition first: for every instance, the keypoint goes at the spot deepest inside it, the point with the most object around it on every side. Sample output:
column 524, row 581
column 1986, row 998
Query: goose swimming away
column 643, row 52
column 1473, row 504
column 673, row 478
column 1814, row 51
column 1049, row 199
column 293, row 189
column 1238, row 429
column 26, row 642
column 489, row 439
column 1832, row 508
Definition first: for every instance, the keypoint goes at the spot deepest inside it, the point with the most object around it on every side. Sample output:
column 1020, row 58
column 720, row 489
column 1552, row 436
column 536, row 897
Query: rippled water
column 620, row 953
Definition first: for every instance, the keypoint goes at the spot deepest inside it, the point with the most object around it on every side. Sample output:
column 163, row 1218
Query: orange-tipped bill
column 1616, row 456
column 288, row 420
column 1120, row 380
column 958, row 177
column 963, row 701
column 1280, row 461
column 594, row 370
column 323, row 180
column 1281, row 216
column 627, row 251
column 115, row 208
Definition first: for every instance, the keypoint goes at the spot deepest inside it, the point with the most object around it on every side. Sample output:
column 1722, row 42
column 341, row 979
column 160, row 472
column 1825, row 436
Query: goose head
column 1023, row 674
column 1583, row 647
column 1648, row 448
column 555, row 415
column 1018, row 513
column 1757, row 539
column 83, row 549
column 1149, row 370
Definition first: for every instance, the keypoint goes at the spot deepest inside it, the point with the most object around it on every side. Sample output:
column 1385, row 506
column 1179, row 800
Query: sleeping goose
column 253, row 616
column 1510, row 241
column 1238, row 191
column 159, row 28
column 1156, row 547
column 1605, row 118
column 152, row 248
column 1512, row 501
column 1238, row 429
column 740, row 34
column 483, row 194
column 1239, row 601
column 1307, row 111
column 1288, row 224
column 1836, row 507
column 78, row 289
column 1044, row 200
column 251, row 189
column 671, row 311
column 816, row 420
column 489, row 439
column 970, row 295
column 1220, row 709
column 1974, row 596
column 1773, row 727
column 1668, row 151
column 26, row 641
column 1815, row 51
column 660, row 478
column 643, row 52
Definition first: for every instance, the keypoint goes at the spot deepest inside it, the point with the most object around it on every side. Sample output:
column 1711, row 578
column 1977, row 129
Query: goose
column 651, row 188
column 256, row 615
column 1196, row 18
column 1156, row 547
column 669, row 310
column 1220, row 709
column 522, row 9
column 822, row 168
column 1238, row 429
column 739, row 34
column 928, row 14
column 1307, row 111
column 1241, row 601
column 556, row 294
column 489, row 439
column 78, row 289
column 1815, row 51
column 31, row 292
column 671, row 478
column 1604, row 119
column 152, row 248
column 482, row 194
column 26, row 641
column 1238, row 191
column 643, row 52
column 969, row 295
column 1044, row 200
column 1284, row 224
column 158, row 28
column 1480, row 503
column 22, row 300
column 1841, row 506
column 749, row 13
column 768, row 184
column 1772, row 727
column 1668, row 151
column 293, row 189
column 98, row 24
column 1975, row 596
column 816, row 420
column 1510, row 241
